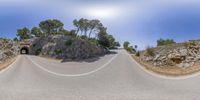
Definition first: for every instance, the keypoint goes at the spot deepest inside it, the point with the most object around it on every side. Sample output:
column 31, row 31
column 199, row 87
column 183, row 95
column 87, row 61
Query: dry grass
column 168, row 70
column 7, row 63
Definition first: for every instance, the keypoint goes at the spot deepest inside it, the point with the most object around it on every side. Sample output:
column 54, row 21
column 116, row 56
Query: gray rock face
column 182, row 55
column 8, row 49
column 65, row 47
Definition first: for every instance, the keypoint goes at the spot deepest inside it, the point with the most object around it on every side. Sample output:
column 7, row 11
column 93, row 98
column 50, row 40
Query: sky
column 141, row 22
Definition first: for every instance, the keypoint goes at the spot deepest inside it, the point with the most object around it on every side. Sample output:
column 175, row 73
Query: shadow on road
column 89, row 60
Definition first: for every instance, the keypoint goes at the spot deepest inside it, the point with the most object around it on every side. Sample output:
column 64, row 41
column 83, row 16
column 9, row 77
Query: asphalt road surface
column 112, row 77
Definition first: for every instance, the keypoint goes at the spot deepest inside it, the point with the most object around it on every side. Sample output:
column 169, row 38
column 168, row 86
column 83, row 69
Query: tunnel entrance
column 24, row 50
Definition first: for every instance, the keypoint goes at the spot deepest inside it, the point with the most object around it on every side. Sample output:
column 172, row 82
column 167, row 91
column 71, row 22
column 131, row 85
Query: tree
column 77, row 25
column 111, row 41
column 117, row 44
column 103, row 39
column 72, row 33
column 87, row 27
column 24, row 33
column 126, row 45
column 36, row 32
column 51, row 26
column 94, row 27
column 162, row 42
column 15, row 39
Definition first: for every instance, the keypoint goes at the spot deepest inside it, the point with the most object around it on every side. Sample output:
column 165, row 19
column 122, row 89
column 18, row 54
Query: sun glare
column 104, row 12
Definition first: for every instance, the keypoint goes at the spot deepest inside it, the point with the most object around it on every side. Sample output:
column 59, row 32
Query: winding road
column 112, row 77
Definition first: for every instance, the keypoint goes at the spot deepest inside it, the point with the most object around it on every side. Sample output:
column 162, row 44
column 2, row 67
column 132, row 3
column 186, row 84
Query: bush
column 83, row 37
column 186, row 44
column 149, row 51
column 162, row 42
column 93, row 41
column 58, row 51
column 137, row 54
column 131, row 49
column 69, row 42
column 38, row 51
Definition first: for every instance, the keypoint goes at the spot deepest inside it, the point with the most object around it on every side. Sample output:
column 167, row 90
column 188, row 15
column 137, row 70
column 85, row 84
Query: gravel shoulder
column 7, row 63
column 173, row 71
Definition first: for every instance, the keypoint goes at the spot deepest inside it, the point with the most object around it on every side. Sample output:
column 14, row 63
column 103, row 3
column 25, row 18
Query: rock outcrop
column 8, row 49
column 65, row 47
column 182, row 55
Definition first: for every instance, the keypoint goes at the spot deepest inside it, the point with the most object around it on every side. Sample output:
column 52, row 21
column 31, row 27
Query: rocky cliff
column 8, row 49
column 182, row 55
column 65, row 47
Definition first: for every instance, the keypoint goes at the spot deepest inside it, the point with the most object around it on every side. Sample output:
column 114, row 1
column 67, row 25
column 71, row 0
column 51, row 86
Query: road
column 113, row 77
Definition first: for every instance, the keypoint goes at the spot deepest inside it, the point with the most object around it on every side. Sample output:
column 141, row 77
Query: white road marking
column 74, row 75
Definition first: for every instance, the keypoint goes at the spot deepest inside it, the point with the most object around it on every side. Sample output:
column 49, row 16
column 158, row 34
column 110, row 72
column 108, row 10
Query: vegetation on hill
column 90, row 30
column 162, row 42
column 130, row 49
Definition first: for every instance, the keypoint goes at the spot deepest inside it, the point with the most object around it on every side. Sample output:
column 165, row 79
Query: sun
column 101, row 12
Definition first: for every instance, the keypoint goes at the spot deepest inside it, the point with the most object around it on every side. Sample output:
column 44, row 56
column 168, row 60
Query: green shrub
column 38, row 51
column 186, row 44
column 69, row 42
column 93, row 41
column 58, row 51
column 34, row 45
column 149, row 51
column 162, row 42
column 84, row 37
column 137, row 54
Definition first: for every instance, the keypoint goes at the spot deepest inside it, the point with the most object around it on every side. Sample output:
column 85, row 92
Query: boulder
column 183, row 52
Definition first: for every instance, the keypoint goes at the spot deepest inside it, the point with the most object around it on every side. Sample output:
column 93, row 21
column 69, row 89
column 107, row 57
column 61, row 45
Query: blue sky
column 141, row 22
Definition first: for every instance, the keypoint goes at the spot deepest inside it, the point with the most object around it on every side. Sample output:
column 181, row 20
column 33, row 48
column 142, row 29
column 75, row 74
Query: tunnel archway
column 24, row 50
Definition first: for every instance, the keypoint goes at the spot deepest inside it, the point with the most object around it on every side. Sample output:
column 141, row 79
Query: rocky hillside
column 65, row 47
column 8, row 49
column 182, row 55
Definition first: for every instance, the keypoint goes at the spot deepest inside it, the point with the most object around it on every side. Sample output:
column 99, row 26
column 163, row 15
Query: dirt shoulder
column 7, row 63
column 168, row 70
